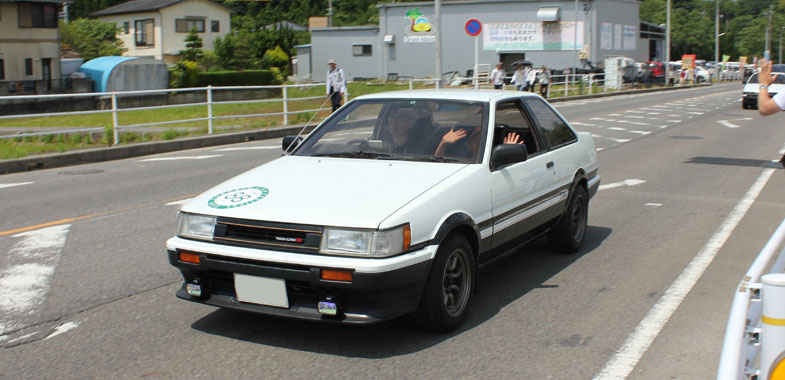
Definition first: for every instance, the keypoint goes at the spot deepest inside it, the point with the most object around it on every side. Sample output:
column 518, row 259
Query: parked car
column 751, row 90
column 373, row 216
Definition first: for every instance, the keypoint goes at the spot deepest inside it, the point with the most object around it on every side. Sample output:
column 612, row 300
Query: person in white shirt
column 497, row 76
column 545, row 80
column 531, row 77
column 519, row 78
column 336, row 84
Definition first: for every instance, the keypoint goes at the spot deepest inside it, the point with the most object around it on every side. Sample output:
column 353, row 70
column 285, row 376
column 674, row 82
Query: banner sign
column 532, row 36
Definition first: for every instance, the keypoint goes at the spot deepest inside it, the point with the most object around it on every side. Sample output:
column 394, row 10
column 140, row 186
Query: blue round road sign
column 473, row 27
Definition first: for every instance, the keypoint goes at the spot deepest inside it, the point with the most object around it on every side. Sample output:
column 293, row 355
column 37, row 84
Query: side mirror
column 290, row 142
column 507, row 154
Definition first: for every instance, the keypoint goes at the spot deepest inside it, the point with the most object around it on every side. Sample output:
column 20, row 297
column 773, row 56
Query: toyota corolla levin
column 389, row 207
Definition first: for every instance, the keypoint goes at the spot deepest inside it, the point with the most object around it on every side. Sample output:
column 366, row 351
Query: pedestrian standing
column 545, row 81
column 336, row 84
column 519, row 78
column 497, row 76
column 531, row 78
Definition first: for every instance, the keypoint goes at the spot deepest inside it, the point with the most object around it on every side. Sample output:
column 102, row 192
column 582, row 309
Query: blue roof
column 99, row 69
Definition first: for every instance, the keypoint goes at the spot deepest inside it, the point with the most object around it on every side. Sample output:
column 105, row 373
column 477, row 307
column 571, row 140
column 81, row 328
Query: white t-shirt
column 497, row 75
column 780, row 100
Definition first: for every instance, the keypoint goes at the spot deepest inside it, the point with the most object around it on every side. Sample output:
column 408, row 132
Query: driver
column 408, row 135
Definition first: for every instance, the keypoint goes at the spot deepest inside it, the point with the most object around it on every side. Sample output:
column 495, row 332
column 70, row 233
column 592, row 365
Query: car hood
column 773, row 88
column 342, row 192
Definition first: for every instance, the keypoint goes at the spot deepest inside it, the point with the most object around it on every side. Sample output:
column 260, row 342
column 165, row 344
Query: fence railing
column 751, row 347
column 207, row 94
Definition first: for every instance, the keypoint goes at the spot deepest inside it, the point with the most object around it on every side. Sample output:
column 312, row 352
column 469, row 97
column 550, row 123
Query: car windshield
column 779, row 78
column 402, row 129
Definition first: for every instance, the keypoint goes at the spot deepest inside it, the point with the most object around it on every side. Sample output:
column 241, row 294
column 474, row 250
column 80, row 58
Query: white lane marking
column 181, row 158
column 63, row 329
column 584, row 124
column 635, row 111
column 603, row 119
column 727, row 123
column 620, row 141
column 248, row 148
column 24, row 284
column 638, row 123
column 636, row 345
column 180, row 202
column 3, row 185
column 626, row 182
column 617, row 129
column 641, row 132
column 636, row 117
column 653, row 204
column 695, row 113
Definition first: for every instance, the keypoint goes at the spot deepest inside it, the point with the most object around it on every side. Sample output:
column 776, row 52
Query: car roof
column 450, row 94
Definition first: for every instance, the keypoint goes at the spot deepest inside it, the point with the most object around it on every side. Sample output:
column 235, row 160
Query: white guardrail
column 754, row 346
column 285, row 100
column 560, row 85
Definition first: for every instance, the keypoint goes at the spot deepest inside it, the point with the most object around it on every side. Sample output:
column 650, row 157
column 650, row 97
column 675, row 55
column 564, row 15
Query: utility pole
column 767, row 48
column 329, row 13
column 717, row 37
column 668, row 43
column 437, row 8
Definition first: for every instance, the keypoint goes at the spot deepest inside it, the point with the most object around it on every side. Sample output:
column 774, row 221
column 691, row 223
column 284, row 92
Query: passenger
column 470, row 148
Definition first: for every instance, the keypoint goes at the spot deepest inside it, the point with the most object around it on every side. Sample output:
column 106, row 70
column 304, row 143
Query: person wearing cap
column 497, row 76
column 336, row 84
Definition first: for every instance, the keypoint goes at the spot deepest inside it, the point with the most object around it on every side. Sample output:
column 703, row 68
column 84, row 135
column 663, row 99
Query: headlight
column 369, row 243
column 195, row 226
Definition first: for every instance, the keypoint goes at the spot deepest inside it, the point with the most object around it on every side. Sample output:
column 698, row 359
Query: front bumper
column 380, row 289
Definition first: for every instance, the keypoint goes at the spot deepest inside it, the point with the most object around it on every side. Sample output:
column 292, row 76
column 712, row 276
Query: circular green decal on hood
column 238, row 197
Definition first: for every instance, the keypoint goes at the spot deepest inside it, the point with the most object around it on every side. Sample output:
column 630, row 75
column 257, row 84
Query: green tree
column 193, row 46
column 91, row 38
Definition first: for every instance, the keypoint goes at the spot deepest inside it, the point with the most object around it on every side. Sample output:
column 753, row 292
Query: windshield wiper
column 353, row 154
column 426, row 158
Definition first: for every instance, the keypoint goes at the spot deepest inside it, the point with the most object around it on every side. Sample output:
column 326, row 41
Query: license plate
column 261, row 290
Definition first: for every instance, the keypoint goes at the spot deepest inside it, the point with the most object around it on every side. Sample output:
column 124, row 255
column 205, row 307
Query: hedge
column 237, row 78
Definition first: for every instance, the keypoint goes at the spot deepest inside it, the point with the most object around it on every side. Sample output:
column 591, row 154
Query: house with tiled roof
column 157, row 28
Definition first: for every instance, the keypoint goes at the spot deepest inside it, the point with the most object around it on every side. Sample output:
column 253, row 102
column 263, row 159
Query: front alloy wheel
column 448, row 291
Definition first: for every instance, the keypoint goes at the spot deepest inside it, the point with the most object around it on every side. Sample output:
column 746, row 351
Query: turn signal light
column 336, row 275
column 189, row 257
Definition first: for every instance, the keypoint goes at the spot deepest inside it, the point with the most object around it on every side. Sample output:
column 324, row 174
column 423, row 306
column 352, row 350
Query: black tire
column 568, row 235
column 448, row 291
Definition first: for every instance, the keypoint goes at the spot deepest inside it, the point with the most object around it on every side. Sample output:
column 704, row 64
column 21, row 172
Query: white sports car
column 389, row 207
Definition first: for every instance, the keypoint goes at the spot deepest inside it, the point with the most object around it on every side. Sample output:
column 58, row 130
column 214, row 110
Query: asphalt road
column 86, row 290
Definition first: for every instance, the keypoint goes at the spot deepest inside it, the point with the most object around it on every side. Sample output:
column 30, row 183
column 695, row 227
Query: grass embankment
column 22, row 146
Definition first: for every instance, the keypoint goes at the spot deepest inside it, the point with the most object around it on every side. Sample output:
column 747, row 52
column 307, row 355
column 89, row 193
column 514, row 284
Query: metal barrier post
column 115, row 132
column 566, row 84
column 772, row 324
column 209, row 109
column 411, row 83
column 591, row 83
column 285, row 107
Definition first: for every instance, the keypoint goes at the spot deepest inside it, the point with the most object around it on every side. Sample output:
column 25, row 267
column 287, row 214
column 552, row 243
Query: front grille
column 268, row 235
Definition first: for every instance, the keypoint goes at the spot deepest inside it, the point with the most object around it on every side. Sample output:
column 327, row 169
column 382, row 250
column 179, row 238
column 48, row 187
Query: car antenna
column 286, row 151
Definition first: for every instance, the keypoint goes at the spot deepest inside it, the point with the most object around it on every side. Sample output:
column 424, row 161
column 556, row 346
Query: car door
column 523, row 193
column 559, row 139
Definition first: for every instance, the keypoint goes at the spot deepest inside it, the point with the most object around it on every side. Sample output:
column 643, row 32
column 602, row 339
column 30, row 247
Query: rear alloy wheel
column 568, row 235
column 448, row 290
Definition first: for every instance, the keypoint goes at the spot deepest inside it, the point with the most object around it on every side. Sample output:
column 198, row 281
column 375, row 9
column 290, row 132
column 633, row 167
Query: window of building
column 145, row 34
column 126, row 27
column 37, row 15
column 184, row 25
column 28, row 66
column 2, row 69
column 361, row 50
column 215, row 26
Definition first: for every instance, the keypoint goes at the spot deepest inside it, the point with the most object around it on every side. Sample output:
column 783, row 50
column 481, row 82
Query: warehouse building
column 542, row 32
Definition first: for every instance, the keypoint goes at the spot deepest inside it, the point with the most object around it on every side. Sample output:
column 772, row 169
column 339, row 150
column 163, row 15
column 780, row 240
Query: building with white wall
column 552, row 33
column 157, row 28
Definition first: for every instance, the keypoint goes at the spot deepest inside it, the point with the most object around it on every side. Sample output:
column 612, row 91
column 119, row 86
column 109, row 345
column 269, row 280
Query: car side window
column 555, row 131
column 510, row 119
